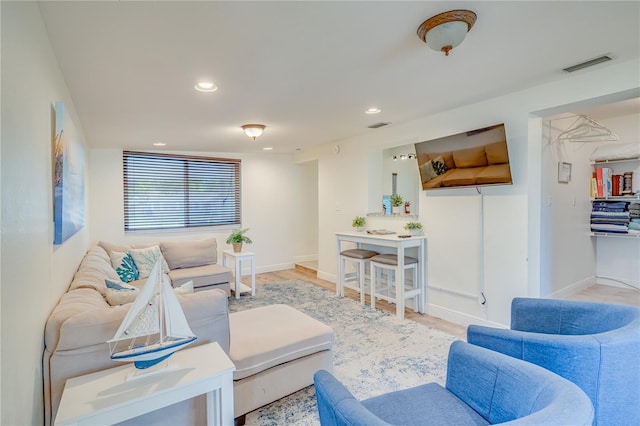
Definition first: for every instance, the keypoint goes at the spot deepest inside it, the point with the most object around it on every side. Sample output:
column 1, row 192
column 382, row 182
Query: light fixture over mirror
column 404, row 157
column 253, row 130
column 446, row 30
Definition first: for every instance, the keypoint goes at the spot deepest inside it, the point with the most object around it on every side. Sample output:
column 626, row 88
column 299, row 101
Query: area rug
column 374, row 352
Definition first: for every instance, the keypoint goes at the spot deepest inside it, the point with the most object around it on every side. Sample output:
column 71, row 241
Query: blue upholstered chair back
column 595, row 345
column 497, row 387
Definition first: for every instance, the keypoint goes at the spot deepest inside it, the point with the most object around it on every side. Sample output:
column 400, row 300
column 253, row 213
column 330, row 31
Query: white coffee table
column 238, row 258
column 106, row 397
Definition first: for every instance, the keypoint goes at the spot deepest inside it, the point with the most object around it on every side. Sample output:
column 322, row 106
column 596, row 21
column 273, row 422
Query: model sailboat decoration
column 155, row 326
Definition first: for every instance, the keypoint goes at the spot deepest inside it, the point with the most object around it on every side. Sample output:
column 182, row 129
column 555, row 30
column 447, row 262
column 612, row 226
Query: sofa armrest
column 503, row 389
column 337, row 406
column 576, row 358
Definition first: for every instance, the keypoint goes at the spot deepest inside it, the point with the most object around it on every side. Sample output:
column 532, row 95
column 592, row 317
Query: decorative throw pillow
column 119, row 293
column 439, row 165
column 146, row 258
column 427, row 171
column 124, row 265
column 186, row 288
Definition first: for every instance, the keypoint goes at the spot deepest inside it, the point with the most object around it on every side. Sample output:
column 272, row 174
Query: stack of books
column 605, row 184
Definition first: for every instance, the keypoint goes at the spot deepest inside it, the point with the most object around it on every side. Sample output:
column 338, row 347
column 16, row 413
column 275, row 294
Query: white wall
column 494, row 248
column 269, row 207
column 305, row 211
column 34, row 272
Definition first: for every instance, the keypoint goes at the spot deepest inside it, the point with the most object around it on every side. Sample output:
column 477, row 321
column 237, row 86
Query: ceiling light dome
column 446, row 30
column 206, row 86
column 253, row 130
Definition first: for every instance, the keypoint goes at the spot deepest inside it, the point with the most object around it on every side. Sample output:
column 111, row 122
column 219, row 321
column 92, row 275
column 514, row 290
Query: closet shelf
column 618, row 160
column 615, row 234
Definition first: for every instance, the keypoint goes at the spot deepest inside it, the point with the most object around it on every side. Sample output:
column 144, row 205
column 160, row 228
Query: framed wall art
column 68, row 177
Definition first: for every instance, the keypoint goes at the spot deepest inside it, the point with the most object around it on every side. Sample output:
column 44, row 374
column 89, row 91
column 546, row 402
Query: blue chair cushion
column 425, row 404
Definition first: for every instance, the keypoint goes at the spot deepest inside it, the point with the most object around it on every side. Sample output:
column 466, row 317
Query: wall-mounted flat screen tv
column 475, row 158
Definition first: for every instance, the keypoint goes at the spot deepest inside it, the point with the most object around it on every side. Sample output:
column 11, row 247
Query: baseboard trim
column 327, row 276
column 459, row 317
column 571, row 289
column 305, row 258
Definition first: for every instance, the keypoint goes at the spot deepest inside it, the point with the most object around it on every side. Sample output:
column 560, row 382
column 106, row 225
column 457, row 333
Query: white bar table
column 238, row 258
column 399, row 244
column 106, row 397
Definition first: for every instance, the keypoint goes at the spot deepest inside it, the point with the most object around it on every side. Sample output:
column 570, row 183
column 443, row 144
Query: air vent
column 378, row 125
column 589, row 63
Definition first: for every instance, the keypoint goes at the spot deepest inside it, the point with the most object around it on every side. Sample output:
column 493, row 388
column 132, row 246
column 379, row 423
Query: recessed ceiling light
column 206, row 86
column 267, row 148
column 159, row 144
column 373, row 110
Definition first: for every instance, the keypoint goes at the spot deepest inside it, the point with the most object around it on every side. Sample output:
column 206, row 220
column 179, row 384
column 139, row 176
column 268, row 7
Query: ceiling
column 307, row 70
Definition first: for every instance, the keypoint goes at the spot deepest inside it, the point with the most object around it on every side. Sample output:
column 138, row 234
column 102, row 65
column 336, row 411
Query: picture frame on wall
column 68, row 177
column 564, row 172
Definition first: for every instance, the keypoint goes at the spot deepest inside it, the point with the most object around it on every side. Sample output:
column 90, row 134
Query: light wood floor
column 596, row 293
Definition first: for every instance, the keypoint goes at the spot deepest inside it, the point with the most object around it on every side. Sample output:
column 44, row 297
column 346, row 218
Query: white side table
column 238, row 257
column 106, row 397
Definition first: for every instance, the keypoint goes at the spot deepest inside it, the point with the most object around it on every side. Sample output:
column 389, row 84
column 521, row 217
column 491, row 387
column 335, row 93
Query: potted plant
column 358, row 223
column 415, row 228
column 396, row 201
column 237, row 237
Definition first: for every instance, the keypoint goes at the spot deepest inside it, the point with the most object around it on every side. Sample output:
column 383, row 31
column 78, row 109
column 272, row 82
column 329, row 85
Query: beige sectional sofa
column 481, row 165
column 276, row 349
column 193, row 260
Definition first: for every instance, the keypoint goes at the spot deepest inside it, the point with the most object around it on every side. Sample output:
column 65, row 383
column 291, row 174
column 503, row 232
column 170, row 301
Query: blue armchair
column 594, row 345
column 483, row 387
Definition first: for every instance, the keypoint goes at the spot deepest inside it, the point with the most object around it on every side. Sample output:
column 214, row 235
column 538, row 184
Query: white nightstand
column 238, row 257
column 106, row 397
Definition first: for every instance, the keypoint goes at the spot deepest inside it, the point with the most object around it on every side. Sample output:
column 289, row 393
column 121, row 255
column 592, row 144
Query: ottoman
column 276, row 350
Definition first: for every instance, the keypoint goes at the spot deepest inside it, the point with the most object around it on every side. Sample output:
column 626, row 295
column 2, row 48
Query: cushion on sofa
column 202, row 276
column 470, row 157
column 459, row 177
column 124, row 265
column 109, row 247
column 119, row 293
column 187, row 254
column 497, row 152
column 146, row 258
column 497, row 173
column 268, row 336
column 427, row 172
column 93, row 269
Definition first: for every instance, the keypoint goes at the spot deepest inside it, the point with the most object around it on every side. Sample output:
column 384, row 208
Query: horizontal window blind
column 163, row 191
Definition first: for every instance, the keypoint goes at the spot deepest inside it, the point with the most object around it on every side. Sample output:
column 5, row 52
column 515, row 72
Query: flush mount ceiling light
column 446, row 30
column 159, row 144
column 253, row 130
column 206, row 86
column 372, row 110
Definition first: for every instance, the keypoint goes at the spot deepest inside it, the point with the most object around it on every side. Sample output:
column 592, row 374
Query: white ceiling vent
column 378, row 125
column 589, row 63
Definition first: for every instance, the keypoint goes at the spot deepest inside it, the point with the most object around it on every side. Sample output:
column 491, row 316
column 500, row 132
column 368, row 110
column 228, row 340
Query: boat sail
column 155, row 326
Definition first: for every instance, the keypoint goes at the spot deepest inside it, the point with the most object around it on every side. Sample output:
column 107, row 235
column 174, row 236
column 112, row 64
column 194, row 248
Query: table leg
column 214, row 408
column 238, row 277
column 253, row 277
column 339, row 269
column 400, row 284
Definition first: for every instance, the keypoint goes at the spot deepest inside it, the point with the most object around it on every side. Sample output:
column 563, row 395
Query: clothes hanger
column 584, row 129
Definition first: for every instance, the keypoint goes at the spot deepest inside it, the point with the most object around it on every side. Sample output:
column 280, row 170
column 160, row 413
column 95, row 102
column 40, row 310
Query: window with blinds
column 163, row 191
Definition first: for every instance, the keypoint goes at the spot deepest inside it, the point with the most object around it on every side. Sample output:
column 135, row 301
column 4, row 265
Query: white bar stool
column 397, row 295
column 359, row 257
